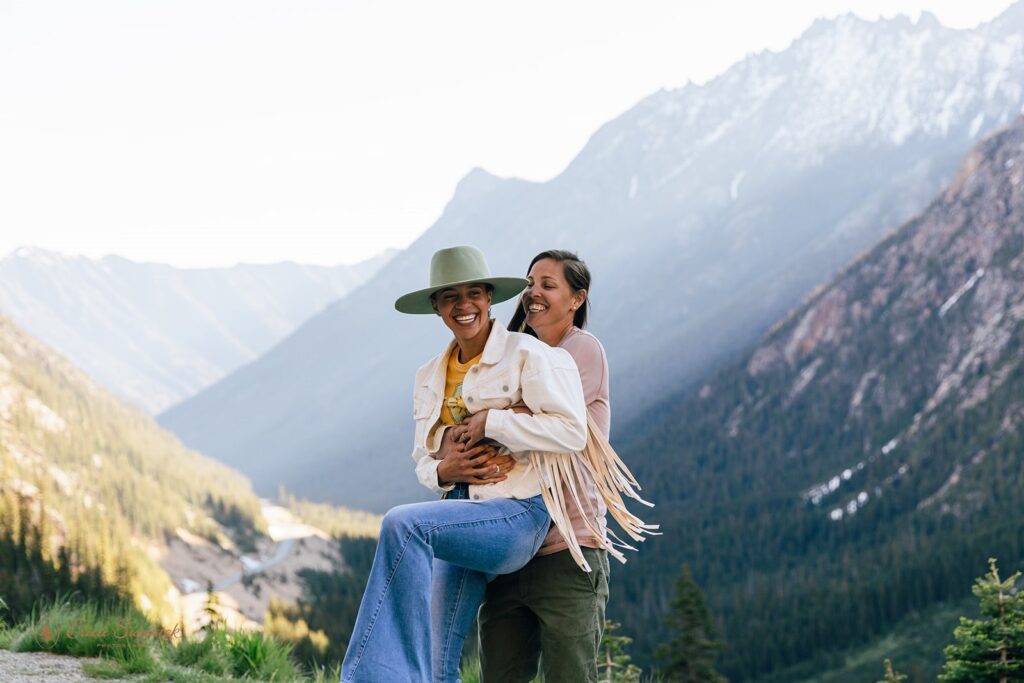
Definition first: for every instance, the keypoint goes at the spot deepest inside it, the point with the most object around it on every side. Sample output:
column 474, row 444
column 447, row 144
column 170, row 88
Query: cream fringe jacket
column 550, row 447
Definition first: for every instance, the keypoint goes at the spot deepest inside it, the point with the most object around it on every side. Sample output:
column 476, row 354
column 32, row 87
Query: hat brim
column 418, row 302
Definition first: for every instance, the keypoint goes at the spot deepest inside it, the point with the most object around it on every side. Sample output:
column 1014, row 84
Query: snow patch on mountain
column 976, row 125
column 958, row 294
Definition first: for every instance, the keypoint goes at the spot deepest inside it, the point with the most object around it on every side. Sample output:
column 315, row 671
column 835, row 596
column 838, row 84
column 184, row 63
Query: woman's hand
column 471, row 431
column 480, row 464
column 447, row 446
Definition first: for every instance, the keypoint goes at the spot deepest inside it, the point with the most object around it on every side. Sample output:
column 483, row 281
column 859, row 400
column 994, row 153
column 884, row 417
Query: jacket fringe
column 613, row 480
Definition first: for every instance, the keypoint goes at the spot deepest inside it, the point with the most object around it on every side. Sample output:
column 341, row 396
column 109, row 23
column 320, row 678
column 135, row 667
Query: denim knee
column 399, row 521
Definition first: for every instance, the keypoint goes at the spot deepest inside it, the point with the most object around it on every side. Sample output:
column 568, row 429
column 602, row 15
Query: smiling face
column 464, row 309
column 549, row 300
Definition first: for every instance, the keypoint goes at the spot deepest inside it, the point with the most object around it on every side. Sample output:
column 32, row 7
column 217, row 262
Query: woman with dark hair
column 574, row 275
column 551, row 607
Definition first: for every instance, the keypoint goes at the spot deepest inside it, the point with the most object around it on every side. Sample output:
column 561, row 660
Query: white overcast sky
column 208, row 132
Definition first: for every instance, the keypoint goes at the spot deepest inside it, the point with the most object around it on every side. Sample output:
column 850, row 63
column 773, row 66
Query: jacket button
column 470, row 399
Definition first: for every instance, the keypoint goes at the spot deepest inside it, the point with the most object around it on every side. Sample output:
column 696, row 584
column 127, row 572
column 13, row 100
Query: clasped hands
column 466, row 455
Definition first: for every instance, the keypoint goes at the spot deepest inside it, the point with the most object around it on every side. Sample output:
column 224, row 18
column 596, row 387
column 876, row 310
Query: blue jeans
column 432, row 565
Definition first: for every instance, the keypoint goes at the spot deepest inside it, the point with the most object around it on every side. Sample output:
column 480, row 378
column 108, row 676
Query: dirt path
column 32, row 667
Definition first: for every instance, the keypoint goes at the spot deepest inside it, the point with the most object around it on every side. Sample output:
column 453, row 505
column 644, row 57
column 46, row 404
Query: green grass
column 103, row 669
column 181, row 674
column 206, row 654
column 5, row 630
column 82, row 629
column 470, row 673
column 125, row 643
column 322, row 674
column 252, row 655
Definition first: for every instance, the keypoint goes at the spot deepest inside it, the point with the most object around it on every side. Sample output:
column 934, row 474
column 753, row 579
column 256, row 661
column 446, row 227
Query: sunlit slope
column 88, row 472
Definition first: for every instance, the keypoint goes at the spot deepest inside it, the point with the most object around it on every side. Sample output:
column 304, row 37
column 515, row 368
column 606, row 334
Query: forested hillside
column 864, row 461
column 89, row 484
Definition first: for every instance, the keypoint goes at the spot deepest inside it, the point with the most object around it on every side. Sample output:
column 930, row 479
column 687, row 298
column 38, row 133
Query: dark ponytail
column 576, row 274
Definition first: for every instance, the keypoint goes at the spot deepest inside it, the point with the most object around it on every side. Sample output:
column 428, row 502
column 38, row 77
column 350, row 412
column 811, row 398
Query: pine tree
column 214, row 619
column 891, row 675
column 64, row 577
column 990, row 648
column 613, row 661
column 690, row 656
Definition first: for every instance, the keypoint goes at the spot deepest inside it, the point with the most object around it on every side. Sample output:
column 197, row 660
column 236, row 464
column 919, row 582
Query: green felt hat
column 459, row 266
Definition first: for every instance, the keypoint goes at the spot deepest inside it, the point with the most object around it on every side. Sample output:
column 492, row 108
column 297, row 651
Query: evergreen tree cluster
column 29, row 570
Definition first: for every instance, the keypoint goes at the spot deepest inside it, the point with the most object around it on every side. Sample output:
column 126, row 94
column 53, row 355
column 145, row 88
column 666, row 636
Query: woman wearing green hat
column 434, row 559
column 555, row 605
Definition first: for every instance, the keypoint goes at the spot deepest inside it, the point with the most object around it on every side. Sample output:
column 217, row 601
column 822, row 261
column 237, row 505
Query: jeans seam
column 541, row 535
column 451, row 622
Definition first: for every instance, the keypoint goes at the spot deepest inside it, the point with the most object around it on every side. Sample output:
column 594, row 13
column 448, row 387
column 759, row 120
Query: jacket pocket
column 424, row 400
column 423, row 405
column 499, row 389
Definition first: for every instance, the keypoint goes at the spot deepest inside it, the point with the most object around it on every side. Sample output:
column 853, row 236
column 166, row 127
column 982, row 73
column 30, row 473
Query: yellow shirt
column 453, row 410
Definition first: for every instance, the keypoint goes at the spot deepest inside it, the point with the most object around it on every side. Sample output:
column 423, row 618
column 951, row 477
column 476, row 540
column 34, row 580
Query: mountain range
column 706, row 213
column 155, row 334
column 810, row 282
column 864, row 460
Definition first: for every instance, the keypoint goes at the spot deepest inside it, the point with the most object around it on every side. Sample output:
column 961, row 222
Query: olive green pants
column 550, row 610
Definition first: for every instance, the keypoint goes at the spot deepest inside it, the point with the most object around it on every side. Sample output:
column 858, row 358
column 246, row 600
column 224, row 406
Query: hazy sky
column 216, row 131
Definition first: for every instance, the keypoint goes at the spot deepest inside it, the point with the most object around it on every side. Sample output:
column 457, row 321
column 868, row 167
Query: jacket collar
column 494, row 351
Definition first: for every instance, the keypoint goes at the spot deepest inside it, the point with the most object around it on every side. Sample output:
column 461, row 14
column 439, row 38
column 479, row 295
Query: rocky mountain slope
column 155, row 334
column 705, row 212
column 864, row 461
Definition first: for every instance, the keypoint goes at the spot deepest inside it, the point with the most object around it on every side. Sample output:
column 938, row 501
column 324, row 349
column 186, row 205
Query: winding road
column 283, row 548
